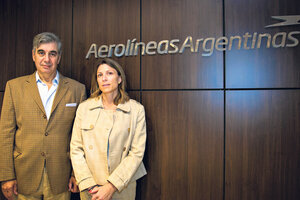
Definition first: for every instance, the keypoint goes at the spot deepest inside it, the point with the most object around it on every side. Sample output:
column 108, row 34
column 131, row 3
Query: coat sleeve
column 81, row 170
column 8, row 129
column 123, row 174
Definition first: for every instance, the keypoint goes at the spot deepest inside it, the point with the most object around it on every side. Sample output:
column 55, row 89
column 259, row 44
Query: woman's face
column 108, row 79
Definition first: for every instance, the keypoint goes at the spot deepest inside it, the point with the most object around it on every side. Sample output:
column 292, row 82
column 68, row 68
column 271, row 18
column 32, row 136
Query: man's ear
column 59, row 57
column 33, row 55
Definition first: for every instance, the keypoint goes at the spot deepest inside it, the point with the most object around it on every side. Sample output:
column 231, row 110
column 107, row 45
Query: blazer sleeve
column 123, row 174
column 83, row 97
column 83, row 94
column 81, row 170
column 8, row 129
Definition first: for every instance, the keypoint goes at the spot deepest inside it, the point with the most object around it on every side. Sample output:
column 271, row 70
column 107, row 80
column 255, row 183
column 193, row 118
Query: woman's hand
column 104, row 192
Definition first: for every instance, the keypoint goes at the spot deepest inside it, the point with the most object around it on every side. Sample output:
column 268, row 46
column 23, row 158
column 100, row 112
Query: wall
column 224, row 126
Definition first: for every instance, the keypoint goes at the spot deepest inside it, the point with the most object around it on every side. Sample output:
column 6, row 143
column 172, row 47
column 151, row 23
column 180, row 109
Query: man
column 35, row 128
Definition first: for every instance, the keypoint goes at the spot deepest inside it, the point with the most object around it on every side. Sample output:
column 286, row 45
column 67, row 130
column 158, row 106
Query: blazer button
column 91, row 126
column 91, row 147
column 46, row 134
column 45, row 116
column 43, row 154
column 128, row 130
column 124, row 149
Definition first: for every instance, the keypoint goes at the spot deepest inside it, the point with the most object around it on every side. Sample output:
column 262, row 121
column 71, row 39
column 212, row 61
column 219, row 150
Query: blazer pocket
column 69, row 113
column 71, row 109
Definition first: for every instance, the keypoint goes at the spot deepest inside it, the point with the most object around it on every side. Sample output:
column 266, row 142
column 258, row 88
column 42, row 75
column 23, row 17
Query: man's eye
column 53, row 54
column 41, row 53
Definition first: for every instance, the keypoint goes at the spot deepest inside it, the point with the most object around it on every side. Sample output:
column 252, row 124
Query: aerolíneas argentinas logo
column 204, row 46
column 286, row 20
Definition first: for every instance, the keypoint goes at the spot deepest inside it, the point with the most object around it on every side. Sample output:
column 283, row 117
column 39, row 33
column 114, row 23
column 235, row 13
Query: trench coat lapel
column 33, row 89
column 63, row 87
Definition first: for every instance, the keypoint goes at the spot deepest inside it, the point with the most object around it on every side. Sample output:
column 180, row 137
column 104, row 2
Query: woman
column 109, row 138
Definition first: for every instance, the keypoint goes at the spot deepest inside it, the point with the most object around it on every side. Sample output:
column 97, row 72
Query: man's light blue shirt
column 47, row 95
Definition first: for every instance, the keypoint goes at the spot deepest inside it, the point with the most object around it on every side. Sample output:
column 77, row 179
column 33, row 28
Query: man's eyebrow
column 53, row 51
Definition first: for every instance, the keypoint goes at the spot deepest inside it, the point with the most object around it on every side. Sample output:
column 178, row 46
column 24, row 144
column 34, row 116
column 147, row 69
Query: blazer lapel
column 33, row 89
column 63, row 87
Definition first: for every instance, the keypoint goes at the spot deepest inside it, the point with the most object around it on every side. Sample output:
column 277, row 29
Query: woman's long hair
column 122, row 95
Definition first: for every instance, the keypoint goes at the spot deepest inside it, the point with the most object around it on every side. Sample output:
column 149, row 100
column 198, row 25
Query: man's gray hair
column 46, row 37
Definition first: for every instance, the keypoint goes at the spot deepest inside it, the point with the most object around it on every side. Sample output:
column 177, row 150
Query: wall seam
column 224, row 104
column 140, row 90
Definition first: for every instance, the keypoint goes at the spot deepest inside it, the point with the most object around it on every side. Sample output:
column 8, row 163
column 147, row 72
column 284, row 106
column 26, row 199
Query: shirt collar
column 55, row 80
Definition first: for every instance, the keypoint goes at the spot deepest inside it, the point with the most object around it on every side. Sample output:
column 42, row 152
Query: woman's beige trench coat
column 89, row 145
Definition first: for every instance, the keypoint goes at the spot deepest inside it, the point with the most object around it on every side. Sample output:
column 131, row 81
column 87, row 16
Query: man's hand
column 73, row 187
column 9, row 188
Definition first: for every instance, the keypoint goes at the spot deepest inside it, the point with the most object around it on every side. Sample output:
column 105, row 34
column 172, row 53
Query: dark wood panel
column 178, row 19
column 135, row 95
column 7, row 42
column 36, row 16
column 184, row 154
column 262, row 145
column 261, row 67
column 105, row 23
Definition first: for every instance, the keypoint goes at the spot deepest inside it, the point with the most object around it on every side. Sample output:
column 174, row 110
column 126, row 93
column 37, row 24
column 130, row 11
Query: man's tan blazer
column 28, row 141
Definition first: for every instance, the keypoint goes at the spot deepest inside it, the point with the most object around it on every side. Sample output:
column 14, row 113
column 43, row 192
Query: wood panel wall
column 183, row 160
column 220, row 127
column 7, row 41
column 263, row 67
column 262, row 144
column 179, row 19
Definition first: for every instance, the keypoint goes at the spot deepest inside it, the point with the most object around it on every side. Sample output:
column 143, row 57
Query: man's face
column 46, row 59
